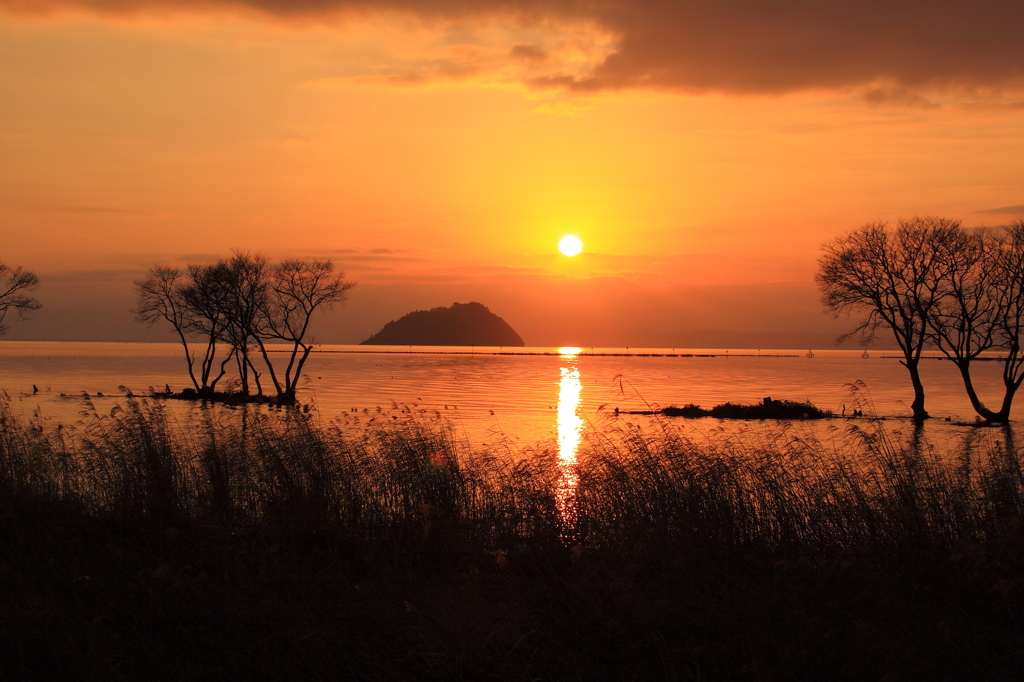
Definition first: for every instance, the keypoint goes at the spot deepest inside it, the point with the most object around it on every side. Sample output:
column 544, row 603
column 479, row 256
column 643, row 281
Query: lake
column 490, row 395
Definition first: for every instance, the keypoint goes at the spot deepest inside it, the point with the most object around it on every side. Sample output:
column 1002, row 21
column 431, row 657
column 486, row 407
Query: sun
column 570, row 245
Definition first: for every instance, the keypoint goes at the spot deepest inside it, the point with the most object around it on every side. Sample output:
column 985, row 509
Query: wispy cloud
column 91, row 276
column 112, row 211
column 200, row 258
column 1005, row 210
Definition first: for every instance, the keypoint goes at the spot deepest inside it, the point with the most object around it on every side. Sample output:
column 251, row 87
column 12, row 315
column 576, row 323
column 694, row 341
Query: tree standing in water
column 14, row 298
column 963, row 322
column 296, row 289
column 981, row 307
column 896, row 277
column 183, row 300
column 242, row 280
column 244, row 302
column 1006, row 260
column 202, row 296
column 159, row 297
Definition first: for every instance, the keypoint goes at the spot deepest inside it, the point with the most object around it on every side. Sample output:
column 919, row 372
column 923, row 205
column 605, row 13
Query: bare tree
column 981, row 307
column 1007, row 261
column 244, row 302
column 243, row 299
column 297, row 289
column 895, row 277
column 182, row 300
column 963, row 321
column 203, row 298
column 13, row 294
column 159, row 297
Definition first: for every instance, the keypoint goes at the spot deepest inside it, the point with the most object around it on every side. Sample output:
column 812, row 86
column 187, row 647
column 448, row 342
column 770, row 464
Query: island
column 766, row 409
column 463, row 324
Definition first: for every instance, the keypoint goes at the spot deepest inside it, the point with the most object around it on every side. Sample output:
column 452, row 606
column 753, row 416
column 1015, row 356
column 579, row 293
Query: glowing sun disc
column 570, row 245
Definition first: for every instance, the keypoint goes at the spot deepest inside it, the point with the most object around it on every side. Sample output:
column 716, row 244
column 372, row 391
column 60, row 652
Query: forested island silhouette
column 462, row 324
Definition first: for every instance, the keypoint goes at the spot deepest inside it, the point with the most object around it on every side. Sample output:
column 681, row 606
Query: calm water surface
column 525, row 398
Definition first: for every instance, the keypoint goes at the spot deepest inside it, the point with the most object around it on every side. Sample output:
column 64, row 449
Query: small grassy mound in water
column 767, row 409
column 229, row 398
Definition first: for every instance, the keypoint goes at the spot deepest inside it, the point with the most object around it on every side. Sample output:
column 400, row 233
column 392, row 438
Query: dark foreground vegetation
column 264, row 544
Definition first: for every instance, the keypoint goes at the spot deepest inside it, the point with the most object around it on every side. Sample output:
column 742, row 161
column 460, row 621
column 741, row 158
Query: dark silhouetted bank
column 767, row 409
column 463, row 324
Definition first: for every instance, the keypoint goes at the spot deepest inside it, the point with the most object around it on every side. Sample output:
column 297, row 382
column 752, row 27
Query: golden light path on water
column 570, row 432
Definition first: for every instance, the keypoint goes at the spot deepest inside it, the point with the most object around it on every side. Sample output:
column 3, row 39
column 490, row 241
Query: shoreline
column 549, row 353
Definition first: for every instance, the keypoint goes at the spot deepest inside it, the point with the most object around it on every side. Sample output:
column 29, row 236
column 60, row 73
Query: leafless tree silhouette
column 167, row 294
column 244, row 302
column 14, row 299
column 297, row 289
column 896, row 278
column 1007, row 263
column 962, row 323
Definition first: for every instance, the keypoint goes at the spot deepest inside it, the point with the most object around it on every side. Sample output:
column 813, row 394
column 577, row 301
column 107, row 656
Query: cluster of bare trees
column 234, row 308
column 15, row 283
column 937, row 284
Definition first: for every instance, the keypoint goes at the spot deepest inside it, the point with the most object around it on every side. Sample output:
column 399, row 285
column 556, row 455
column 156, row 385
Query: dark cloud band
column 741, row 46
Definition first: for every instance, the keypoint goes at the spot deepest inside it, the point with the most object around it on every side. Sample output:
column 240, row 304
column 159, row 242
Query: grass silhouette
column 255, row 543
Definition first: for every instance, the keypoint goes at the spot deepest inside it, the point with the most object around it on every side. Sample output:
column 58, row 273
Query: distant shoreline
column 553, row 353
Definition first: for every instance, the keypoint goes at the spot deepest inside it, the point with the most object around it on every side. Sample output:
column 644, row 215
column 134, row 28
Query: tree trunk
column 208, row 360
column 293, row 382
column 255, row 378
column 189, row 359
column 1003, row 415
column 965, row 372
column 270, row 366
column 223, row 370
column 917, row 407
column 243, row 372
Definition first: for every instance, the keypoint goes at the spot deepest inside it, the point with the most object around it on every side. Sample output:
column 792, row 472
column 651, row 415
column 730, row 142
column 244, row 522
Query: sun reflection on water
column 570, row 430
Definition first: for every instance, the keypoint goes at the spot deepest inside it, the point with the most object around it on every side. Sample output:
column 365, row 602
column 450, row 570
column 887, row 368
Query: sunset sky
column 439, row 150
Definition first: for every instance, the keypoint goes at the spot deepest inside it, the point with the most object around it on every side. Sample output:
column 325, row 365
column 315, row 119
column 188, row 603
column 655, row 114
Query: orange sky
column 438, row 151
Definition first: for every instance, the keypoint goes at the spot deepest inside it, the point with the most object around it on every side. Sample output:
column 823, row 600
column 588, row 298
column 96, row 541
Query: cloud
column 91, row 276
column 111, row 211
column 897, row 96
column 566, row 107
column 735, row 46
column 1005, row 210
column 200, row 258
column 531, row 54
column 377, row 257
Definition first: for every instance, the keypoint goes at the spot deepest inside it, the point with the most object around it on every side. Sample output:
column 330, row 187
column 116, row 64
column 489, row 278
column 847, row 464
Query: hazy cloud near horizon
column 887, row 49
column 603, row 312
column 1005, row 210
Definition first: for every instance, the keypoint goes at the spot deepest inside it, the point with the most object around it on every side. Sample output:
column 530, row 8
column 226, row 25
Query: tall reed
column 785, row 490
column 399, row 484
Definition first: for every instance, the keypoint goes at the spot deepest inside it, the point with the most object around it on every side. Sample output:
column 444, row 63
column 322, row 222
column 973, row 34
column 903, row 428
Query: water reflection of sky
column 570, row 431
column 489, row 397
